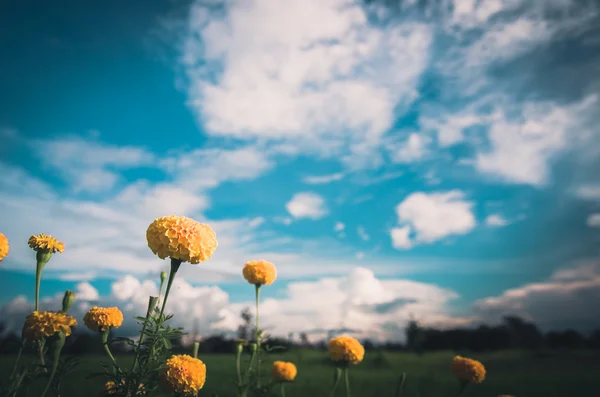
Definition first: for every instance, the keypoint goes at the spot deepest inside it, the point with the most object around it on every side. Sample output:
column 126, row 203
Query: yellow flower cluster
column 346, row 349
column 43, row 323
column 284, row 371
column 260, row 272
column 182, row 238
column 184, row 374
column 103, row 318
column 4, row 246
column 468, row 370
column 111, row 388
column 44, row 242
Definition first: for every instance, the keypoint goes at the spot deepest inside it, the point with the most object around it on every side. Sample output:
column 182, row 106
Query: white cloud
column 307, row 205
column 207, row 168
column 323, row 179
column 339, row 227
column 450, row 128
column 593, row 220
column 414, row 148
column 564, row 301
column 506, row 41
column 328, row 59
column 360, row 255
column 195, row 308
column 468, row 14
column 589, row 192
column 401, row 237
column 358, row 300
column 432, row 217
column 77, row 276
column 90, row 166
column 108, row 234
column 378, row 309
column 362, row 233
column 495, row 220
column 522, row 150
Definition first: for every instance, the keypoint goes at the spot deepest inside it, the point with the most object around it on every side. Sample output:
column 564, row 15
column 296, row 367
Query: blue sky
column 437, row 152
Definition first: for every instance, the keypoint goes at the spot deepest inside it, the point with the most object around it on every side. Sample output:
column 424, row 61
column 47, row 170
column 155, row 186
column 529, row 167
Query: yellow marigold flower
column 44, row 323
column 260, row 272
column 182, row 238
column 44, row 242
column 346, row 349
column 103, row 318
column 184, row 374
column 4, row 246
column 468, row 370
column 284, row 371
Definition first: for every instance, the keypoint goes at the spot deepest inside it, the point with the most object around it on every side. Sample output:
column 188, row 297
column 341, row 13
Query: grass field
column 521, row 374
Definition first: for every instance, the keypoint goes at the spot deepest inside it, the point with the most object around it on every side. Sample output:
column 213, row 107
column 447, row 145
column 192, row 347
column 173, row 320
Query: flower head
column 44, row 242
column 260, row 272
column 42, row 323
column 283, row 371
column 182, row 238
column 103, row 318
column 184, row 374
column 346, row 349
column 4, row 247
column 468, row 370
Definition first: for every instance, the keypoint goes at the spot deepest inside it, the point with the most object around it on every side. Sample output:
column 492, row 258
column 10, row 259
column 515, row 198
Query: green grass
column 522, row 374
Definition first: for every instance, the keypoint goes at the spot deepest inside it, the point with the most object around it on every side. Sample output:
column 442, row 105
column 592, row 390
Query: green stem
column 17, row 361
column 257, row 295
column 41, row 343
column 60, row 342
column 247, row 376
column 15, row 388
column 107, row 349
column 195, row 350
column 347, row 380
column 175, row 263
column 238, row 366
column 400, row 387
column 152, row 302
column 336, row 382
column 282, row 389
column 38, row 280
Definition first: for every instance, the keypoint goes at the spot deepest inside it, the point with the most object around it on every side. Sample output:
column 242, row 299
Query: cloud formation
column 329, row 58
column 307, row 205
column 375, row 308
column 563, row 301
column 428, row 217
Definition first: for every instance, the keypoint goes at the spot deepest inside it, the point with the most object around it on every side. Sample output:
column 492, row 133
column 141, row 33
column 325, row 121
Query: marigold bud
column 67, row 301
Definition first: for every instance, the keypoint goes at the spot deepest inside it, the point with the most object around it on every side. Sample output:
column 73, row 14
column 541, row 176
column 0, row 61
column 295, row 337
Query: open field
column 557, row 374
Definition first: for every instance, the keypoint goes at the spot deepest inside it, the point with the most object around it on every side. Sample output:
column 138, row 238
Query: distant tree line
column 512, row 333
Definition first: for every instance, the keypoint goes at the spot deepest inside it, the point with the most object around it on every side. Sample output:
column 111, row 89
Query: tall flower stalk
column 259, row 273
column 344, row 351
column 100, row 319
column 44, row 246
